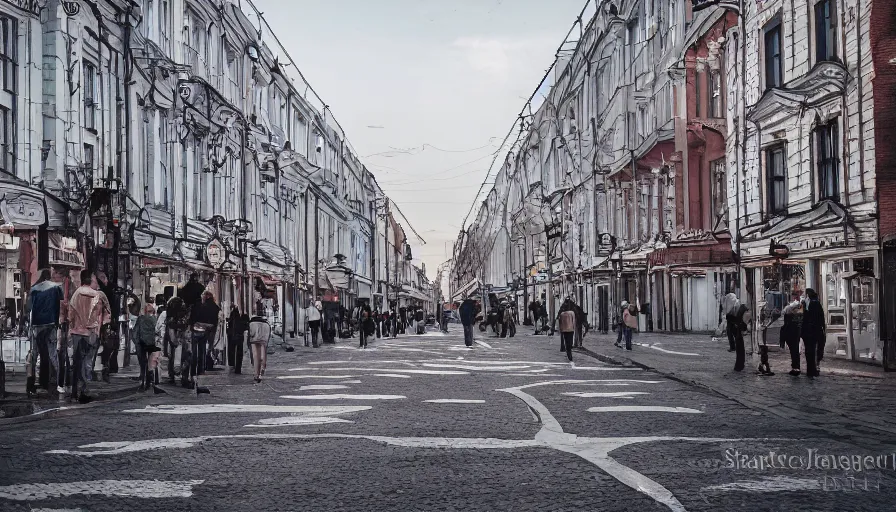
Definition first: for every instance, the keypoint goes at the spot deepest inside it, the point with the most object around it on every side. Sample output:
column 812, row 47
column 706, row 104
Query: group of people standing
column 370, row 322
column 803, row 320
column 86, row 318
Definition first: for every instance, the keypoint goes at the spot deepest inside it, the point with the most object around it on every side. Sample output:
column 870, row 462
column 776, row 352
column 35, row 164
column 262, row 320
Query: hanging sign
column 215, row 253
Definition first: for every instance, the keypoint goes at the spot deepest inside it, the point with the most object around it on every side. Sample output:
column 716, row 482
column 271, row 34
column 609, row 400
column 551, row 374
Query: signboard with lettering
column 215, row 253
column 22, row 211
column 605, row 244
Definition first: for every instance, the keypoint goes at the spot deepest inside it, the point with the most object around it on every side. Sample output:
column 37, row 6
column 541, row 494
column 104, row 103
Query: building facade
column 148, row 140
column 686, row 149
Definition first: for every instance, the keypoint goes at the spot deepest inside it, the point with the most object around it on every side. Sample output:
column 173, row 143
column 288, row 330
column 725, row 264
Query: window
column 774, row 65
column 827, row 161
column 632, row 39
column 719, row 192
column 698, row 85
column 88, row 157
column 7, row 141
column 776, row 175
column 825, row 31
column 8, row 52
column 89, row 93
column 716, row 105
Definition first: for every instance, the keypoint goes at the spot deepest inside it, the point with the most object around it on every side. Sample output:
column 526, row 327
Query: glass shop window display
column 782, row 284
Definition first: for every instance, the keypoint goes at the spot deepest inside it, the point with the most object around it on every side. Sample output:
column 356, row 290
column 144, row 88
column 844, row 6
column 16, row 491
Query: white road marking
column 343, row 397
column 476, row 368
column 498, row 362
column 318, row 410
column 118, row 448
column 654, row 347
column 321, row 387
column 532, row 375
column 125, row 488
column 350, row 382
column 392, row 375
column 482, row 343
column 454, row 401
column 617, row 394
column 296, row 420
column 593, row 449
column 644, row 408
column 316, row 377
column 399, row 370
column 770, row 484
column 602, row 382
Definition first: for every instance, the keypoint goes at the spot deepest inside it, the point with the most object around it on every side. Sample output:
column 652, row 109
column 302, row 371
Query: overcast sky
column 441, row 81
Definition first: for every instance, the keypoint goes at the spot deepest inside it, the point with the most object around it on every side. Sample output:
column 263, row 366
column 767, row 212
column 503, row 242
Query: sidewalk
column 851, row 398
column 17, row 403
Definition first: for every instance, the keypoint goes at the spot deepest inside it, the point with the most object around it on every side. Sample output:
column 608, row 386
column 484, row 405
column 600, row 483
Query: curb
column 781, row 411
column 64, row 408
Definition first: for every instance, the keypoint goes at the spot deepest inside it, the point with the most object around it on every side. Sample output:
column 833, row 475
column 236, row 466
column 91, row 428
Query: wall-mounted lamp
column 252, row 52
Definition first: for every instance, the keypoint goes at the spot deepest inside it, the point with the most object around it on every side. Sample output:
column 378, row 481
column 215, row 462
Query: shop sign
column 23, row 211
column 64, row 253
column 215, row 253
column 193, row 250
column 606, row 244
column 557, row 267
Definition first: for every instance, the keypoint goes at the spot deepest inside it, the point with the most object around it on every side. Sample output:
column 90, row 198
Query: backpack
column 145, row 330
column 632, row 309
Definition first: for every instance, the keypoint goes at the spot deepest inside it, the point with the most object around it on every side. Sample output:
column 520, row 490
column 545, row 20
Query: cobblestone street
column 424, row 423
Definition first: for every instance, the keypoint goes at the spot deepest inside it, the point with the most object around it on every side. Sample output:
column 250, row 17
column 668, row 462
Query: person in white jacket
column 312, row 313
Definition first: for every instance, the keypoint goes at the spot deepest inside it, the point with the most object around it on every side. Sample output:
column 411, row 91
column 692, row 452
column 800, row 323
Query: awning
column 465, row 290
column 407, row 291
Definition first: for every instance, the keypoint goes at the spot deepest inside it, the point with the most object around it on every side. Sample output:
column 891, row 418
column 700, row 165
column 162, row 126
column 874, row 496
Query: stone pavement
column 849, row 396
column 425, row 423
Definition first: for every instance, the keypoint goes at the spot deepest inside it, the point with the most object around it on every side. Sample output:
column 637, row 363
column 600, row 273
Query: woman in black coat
column 813, row 332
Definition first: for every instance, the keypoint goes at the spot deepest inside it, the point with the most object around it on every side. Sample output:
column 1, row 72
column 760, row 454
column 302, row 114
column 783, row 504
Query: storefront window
column 781, row 285
column 864, row 318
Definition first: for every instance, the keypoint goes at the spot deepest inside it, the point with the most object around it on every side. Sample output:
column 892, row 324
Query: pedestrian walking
column 366, row 328
column 44, row 302
column 420, row 320
column 109, row 335
column 312, row 313
column 543, row 316
column 177, row 325
column 144, row 340
column 813, row 332
column 729, row 306
column 237, row 326
column 737, row 324
column 402, row 320
column 204, row 323
column 259, row 335
column 581, row 319
column 467, row 317
column 446, row 318
column 619, row 323
column 535, row 310
column 88, row 312
column 629, row 324
column 566, row 321
column 790, row 333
